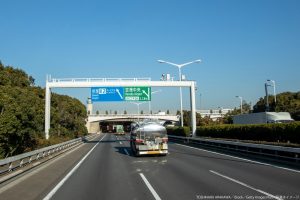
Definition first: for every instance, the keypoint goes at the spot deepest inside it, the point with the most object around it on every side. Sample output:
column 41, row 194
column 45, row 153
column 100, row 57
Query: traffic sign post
column 121, row 94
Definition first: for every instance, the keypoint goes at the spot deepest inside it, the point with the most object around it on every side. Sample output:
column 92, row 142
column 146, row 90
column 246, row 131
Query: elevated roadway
column 105, row 169
column 92, row 123
column 125, row 117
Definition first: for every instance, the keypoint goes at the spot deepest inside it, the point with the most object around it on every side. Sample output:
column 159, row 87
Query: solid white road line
column 257, row 162
column 54, row 190
column 246, row 185
column 126, row 152
column 150, row 187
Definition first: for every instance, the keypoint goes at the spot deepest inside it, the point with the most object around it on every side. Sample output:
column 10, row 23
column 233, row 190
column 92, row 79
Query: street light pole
column 267, row 97
column 200, row 101
column 151, row 99
column 138, row 106
column 274, row 89
column 241, row 98
column 180, row 94
column 180, row 79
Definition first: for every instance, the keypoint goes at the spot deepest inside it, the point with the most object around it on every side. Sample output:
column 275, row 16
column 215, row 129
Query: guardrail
column 98, row 79
column 278, row 152
column 11, row 163
column 129, row 115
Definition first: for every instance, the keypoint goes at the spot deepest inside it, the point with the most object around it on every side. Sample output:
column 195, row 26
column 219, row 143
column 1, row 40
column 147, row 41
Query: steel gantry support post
column 47, row 110
column 193, row 108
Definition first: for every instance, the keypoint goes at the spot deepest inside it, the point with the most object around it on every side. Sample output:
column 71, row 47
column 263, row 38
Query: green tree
column 13, row 77
column 97, row 112
column 22, row 114
column 31, row 81
column 246, row 107
column 227, row 119
column 187, row 119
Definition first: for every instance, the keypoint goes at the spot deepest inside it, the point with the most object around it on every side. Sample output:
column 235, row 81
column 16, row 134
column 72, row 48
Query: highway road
column 106, row 169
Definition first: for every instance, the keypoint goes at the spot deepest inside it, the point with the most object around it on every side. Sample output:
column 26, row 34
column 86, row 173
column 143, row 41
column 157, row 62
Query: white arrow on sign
column 143, row 91
column 119, row 93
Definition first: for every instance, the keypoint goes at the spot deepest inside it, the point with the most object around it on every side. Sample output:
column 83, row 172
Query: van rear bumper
column 152, row 152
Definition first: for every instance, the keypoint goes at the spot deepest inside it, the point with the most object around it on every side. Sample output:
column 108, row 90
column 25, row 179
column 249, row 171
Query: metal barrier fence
column 11, row 163
column 277, row 152
column 99, row 79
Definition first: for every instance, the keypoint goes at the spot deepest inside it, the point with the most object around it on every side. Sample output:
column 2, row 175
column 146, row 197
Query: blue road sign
column 107, row 94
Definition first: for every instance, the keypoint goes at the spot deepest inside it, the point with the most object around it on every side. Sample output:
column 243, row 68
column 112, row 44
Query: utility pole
column 267, row 97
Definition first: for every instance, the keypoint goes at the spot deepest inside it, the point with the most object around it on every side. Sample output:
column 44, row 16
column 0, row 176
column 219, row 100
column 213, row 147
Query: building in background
column 214, row 114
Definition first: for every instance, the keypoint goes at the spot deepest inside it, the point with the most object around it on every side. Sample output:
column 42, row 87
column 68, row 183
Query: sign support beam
column 88, row 83
column 47, row 110
column 193, row 109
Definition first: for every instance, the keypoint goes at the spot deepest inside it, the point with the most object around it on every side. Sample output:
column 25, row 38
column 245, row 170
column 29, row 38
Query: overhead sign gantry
column 143, row 84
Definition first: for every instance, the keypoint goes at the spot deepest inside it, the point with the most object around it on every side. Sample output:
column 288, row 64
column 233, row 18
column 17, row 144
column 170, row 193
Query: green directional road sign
column 137, row 93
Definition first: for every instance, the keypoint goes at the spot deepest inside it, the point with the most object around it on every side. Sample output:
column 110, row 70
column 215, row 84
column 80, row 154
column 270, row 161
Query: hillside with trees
column 22, row 114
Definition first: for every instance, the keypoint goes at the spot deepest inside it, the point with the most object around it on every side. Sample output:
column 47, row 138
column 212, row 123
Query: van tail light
column 165, row 140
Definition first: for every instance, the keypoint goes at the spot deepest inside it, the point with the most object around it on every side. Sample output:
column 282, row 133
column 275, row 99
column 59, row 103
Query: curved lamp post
column 241, row 98
column 138, row 106
column 151, row 99
column 179, row 66
column 274, row 88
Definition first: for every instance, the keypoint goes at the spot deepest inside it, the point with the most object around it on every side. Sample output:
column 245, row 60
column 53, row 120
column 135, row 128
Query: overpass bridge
column 126, row 117
column 92, row 123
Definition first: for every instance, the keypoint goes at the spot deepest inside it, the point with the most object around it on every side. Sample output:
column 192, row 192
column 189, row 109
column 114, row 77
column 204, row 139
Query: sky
column 241, row 45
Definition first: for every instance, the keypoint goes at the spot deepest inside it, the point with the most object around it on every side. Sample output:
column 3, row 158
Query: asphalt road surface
column 106, row 169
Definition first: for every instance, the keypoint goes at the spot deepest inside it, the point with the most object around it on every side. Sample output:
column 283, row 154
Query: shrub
column 179, row 131
column 289, row 132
